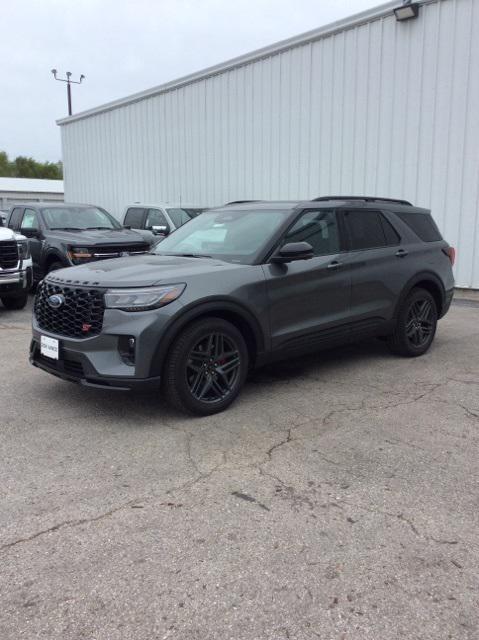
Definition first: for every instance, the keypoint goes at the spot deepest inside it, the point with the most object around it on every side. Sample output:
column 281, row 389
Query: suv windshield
column 179, row 216
column 79, row 218
column 232, row 235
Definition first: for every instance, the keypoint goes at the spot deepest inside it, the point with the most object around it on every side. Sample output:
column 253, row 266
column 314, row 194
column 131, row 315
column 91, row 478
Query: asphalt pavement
column 338, row 498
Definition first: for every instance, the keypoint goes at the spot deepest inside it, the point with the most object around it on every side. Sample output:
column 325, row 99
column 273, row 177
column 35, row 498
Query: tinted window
column 390, row 233
column 80, row 218
column 15, row 218
column 134, row 217
column 365, row 229
column 156, row 218
column 179, row 216
column 30, row 220
column 319, row 228
column 422, row 224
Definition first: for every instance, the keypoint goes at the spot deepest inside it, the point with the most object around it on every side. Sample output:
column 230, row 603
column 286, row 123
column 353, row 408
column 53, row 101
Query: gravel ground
column 337, row 499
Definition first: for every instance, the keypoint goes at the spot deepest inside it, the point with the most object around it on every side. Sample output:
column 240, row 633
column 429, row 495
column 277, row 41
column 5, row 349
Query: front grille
column 70, row 367
column 115, row 251
column 80, row 315
column 8, row 254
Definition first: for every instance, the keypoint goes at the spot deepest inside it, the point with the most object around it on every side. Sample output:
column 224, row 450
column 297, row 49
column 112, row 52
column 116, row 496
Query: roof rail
column 240, row 202
column 363, row 199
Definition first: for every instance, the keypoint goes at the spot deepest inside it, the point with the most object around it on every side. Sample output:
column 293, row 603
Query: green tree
column 25, row 167
column 6, row 169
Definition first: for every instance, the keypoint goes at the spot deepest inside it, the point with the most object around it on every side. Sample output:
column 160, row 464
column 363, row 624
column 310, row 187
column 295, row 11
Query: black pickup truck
column 64, row 235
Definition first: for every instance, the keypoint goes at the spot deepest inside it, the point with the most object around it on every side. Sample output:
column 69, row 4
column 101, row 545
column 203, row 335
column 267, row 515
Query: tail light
column 451, row 254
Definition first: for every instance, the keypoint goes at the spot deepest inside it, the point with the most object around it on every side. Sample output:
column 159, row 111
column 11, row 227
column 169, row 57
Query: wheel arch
column 54, row 256
column 428, row 281
column 240, row 317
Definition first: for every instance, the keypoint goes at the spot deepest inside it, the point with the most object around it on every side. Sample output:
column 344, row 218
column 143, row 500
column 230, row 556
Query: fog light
column 127, row 349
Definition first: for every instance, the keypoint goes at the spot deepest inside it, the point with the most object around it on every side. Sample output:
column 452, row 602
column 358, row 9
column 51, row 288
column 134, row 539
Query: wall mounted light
column 407, row 11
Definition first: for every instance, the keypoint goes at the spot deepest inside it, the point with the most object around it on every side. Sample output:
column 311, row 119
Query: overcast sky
column 125, row 46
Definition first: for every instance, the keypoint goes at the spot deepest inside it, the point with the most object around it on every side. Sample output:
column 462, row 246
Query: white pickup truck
column 15, row 269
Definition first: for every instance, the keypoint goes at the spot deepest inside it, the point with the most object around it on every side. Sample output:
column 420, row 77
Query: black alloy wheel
column 415, row 326
column 213, row 367
column 206, row 367
column 421, row 321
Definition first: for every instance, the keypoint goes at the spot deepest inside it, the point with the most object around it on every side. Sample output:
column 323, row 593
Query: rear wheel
column 206, row 367
column 416, row 325
column 17, row 302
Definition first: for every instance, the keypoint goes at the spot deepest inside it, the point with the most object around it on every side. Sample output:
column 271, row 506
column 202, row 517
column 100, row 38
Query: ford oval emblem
column 56, row 300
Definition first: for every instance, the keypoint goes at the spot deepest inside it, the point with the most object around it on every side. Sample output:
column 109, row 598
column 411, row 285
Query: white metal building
column 367, row 105
column 29, row 189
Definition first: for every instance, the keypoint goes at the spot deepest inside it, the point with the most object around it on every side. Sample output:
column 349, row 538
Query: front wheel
column 15, row 303
column 416, row 325
column 206, row 367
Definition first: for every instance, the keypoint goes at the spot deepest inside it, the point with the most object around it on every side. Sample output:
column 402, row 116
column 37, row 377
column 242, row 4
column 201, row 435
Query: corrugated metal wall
column 382, row 108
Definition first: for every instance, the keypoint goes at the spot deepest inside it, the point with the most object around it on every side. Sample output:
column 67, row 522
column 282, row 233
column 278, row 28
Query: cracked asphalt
column 337, row 499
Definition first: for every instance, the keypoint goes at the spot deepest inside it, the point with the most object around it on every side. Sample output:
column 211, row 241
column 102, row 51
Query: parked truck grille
column 116, row 251
column 8, row 254
column 77, row 313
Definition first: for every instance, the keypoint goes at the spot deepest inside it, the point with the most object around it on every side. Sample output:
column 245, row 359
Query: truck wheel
column 17, row 302
column 206, row 367
column 416, row 325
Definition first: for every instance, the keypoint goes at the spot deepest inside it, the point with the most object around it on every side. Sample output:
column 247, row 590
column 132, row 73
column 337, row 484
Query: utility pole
column 69, row 82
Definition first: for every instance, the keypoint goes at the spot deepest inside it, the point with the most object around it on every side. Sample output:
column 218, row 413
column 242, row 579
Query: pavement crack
column 68, row 524
column 288, row 438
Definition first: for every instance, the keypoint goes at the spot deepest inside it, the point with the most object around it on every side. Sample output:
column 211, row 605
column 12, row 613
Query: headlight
column 23, row 249
column 143, row 299
column 77, row 254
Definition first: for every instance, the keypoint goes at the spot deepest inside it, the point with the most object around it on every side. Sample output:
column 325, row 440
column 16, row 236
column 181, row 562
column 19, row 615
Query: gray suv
column 241, row 286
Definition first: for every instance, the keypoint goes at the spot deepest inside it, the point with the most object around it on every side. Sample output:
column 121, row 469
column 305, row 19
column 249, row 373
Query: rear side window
column 390, row 233
column 422, row 224
column 370, row 230
column 16, row 216
column 134, row 217
column 365, row 229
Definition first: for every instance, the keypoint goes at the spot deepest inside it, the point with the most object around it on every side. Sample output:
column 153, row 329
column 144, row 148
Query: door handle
column 401, row 253
column 335, row 264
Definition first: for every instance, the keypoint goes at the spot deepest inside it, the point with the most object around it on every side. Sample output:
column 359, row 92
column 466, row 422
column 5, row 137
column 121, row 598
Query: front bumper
column 14, row 281
column 98, row 361
column 76, row 367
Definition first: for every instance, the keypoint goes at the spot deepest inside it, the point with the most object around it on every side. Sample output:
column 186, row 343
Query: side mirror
column 293, row 251
column 160, row 229
column 30, row 233
column 127, row 226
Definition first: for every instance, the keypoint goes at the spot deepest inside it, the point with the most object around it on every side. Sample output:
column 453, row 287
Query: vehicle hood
column 97, row 237
column 8, row 234
column 139, row 271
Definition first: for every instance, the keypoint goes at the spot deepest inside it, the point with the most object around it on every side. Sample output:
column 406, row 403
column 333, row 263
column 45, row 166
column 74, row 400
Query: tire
column 416, row 325
column 15, row 303
column 206, row 367
column 54, row 266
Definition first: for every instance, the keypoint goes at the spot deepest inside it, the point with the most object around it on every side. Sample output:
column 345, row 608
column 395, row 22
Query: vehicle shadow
column 141, row 409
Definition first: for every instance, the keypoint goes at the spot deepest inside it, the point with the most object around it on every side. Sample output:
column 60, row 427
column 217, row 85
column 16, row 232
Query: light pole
column 69, row 82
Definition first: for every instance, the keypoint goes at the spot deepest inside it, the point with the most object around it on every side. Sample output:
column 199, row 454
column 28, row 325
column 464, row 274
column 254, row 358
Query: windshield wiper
column 192, row 255
column 185, row 255
column 105, row 228
column 66, row 229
